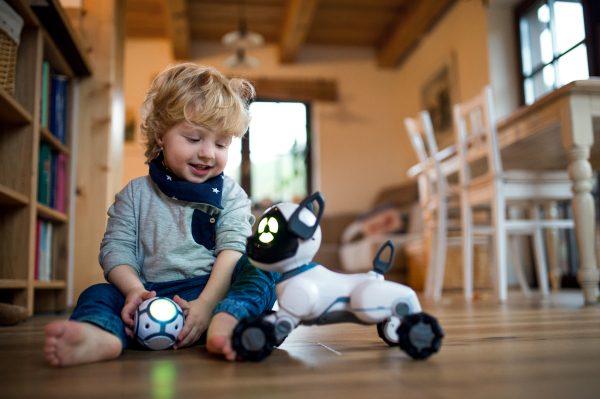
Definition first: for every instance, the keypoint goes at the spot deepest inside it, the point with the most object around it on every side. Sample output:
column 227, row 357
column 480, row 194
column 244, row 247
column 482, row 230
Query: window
column 277, row 150
column 554, row 49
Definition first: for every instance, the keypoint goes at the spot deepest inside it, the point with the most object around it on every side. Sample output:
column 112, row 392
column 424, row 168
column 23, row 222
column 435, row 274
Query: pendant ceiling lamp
column 242, row 40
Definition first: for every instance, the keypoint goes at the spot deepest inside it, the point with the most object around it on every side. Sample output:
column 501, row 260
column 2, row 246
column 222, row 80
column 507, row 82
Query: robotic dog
column 287, row 238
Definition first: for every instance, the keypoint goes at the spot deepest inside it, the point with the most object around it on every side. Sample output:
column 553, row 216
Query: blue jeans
column 252, row 292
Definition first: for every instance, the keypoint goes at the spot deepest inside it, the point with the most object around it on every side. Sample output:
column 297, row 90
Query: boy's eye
column 221, row 145
column 192, row 139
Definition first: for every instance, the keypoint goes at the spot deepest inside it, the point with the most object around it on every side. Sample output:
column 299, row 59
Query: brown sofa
column 403, row 196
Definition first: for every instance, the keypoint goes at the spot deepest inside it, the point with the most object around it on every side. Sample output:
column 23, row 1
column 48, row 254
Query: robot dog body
column 320, row 296
column 287, row 238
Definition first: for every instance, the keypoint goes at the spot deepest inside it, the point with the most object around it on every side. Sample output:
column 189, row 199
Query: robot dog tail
column 381, row 266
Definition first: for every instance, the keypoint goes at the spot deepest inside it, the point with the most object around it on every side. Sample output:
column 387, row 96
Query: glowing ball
column 158, row 322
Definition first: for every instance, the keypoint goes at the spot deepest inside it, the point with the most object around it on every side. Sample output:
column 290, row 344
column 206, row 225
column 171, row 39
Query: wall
column 460, row 35
column 144, row 59
column 100, row 136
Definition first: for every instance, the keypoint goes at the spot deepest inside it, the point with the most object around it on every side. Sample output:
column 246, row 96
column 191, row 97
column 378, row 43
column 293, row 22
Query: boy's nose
column 206, row 152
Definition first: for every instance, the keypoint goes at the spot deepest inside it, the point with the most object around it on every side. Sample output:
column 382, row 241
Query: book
column 44, row 98
column 48, row 268
column 44, row 174
column 60, row 184
column 57, row 112
column 38, row 228
column 63, row 126
column 44, row 272
column 53, row 165
column 42, row 253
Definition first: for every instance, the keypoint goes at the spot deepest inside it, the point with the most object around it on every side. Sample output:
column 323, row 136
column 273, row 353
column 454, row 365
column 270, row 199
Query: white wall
column 144, row 59
column 462, row 33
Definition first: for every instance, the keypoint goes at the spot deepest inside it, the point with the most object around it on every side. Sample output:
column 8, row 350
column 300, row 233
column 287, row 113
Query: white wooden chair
column 434, row 196
column 475, row 127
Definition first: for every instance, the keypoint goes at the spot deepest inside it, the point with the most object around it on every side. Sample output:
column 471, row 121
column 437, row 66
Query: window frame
column 246, row 166
column 591, row 16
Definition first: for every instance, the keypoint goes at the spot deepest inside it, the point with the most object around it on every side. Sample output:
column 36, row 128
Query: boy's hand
column 197, row 317
column 133, row 300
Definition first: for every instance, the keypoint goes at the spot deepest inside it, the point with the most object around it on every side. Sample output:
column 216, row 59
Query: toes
column 216, row 344
column 55, row 329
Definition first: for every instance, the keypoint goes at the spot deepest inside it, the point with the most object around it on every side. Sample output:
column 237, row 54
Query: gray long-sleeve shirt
column 168, row 229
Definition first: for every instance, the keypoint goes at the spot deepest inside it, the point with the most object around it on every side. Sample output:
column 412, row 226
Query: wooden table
column 557, row 132
column 531, row 138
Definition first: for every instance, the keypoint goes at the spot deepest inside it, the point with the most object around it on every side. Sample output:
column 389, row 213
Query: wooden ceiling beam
column 178, row 28
column 409, row 28
column 298, row 19
column 304, row 90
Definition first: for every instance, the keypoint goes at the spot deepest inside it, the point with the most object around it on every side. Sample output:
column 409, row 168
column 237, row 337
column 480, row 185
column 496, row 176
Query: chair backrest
column 418, row 128
column 475, row 128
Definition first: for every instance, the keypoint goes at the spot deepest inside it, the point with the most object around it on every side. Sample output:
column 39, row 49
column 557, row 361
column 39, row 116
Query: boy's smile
column 194, row 153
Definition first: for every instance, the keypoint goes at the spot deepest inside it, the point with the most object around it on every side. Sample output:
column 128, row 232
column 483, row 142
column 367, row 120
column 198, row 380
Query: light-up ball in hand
column 158, row 321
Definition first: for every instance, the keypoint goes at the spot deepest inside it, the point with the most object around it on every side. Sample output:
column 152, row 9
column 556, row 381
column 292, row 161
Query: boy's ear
column 158, row 135
column 159, row 138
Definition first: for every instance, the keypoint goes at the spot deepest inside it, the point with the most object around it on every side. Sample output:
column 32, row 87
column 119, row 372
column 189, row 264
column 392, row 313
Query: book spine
column 43, row 254
column 53, row 175
column 45, row 94
column 61, row 182
column 63, row 112
column 44, row 174
column 38, row 229
column 50, row 228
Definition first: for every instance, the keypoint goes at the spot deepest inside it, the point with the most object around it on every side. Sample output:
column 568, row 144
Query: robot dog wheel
column 420, row 335
column 383, row 330
column 254, row 338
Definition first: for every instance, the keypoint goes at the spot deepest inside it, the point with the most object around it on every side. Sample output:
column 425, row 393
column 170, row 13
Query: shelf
column 49, row 285
column 54, row 142
column 13, row 284
column 58, row 25
column 8, row 196
column 11, row 111
column 52, row 214
column 53, row 55
column 23, row 9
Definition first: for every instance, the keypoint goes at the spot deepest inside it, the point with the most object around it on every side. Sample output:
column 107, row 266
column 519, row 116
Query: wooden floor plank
column 528, row 348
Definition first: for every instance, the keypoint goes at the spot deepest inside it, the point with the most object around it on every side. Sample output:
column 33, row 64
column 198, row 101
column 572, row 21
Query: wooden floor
column 524, row 349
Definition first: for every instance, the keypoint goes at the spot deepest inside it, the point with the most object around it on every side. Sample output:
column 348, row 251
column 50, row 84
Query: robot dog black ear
column 379, row 265
column 299, row 228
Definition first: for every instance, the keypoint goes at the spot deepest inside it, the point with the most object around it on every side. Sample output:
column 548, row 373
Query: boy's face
column 194, row 153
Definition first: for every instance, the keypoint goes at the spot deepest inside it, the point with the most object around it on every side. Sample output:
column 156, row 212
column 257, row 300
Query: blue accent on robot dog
column 297, row 271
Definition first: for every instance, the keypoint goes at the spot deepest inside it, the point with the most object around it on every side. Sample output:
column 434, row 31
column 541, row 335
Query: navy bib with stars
column 209, row 192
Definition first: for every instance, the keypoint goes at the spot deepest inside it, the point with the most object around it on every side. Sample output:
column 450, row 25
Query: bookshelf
column 47, row 37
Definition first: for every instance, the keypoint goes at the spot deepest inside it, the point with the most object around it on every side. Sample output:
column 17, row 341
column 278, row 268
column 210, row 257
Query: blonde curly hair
column 197, row 94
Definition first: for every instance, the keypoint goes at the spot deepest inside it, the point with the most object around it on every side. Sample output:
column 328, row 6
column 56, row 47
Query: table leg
column 580, row 172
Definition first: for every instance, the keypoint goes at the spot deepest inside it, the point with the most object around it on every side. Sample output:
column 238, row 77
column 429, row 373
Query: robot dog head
column 288, row 235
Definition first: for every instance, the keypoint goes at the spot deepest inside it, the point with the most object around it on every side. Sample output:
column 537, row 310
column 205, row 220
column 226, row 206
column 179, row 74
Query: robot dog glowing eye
column 266, row 229
column 271, row 222
column 273, row 225
column 266, row 237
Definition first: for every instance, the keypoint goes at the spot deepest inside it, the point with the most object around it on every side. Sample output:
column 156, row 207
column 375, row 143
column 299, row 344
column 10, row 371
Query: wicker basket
column 11, row 24
column 8, row 63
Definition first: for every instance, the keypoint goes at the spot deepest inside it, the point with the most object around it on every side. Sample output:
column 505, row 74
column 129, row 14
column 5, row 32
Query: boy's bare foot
column 218, row 337
column 70, row 342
